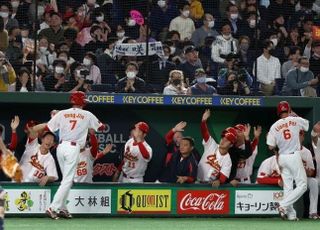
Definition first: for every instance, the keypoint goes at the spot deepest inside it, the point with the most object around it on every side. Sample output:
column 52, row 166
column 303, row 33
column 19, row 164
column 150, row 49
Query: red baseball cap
column 230, row 133
column 240, row 127
column 144, row 127
column 283, row 106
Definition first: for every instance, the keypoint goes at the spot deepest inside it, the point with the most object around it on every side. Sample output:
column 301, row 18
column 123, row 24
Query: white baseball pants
column 313, row 186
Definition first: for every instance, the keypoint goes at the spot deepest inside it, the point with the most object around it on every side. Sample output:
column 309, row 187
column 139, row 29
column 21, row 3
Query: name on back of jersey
column 73, row 115
column 285, row 125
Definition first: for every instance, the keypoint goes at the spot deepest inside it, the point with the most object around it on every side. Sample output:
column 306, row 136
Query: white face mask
column 131, row 22
column 91, row 2
column 252, row 23
column 227, row 37
column 86, row 61
column 4, row 14
column 162, row 3
column 186, row 13
column 15, row 4
column 131, row 74
column 64, row 58
column 24, row 33
column 172, row 49
column 120, row 34
column 100, row 18
column 304, row 69
column 40, row 11
column 59, row 70
column 201, row 79
column 234, row 16
column 165, row 58
column 43, row 49
column 211, row 24
column 274, row 41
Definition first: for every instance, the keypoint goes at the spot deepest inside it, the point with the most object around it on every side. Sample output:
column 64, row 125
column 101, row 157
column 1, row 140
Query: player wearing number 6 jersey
column 284, row 134
column 73, row 125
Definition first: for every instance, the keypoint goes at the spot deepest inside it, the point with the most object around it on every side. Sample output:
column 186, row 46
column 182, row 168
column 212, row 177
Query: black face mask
column 176, row 82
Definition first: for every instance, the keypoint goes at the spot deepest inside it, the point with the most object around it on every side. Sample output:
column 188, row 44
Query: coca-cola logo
column 203, row 202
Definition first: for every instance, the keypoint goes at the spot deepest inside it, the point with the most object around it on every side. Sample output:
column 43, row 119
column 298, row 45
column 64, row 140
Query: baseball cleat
column 282, row 213
column 314, row 216
column 65, row 214
column 294, row 219
column 52, row 214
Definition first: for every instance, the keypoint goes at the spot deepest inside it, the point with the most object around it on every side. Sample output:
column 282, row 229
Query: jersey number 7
column 73, row 123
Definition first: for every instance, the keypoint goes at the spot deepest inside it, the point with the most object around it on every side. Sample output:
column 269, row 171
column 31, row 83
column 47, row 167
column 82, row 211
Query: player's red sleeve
column 30, row 140
column 99, row 155
column 204, row 131
column 222, row 178
column 145, row 153
column 190, row 179
column 46, row 129
column 254, row 143
column 268, row 180
column 94, row 145
column 120, row 166
column 102, row 127
column 168, row 158
column 169, row 137
column 14, row 141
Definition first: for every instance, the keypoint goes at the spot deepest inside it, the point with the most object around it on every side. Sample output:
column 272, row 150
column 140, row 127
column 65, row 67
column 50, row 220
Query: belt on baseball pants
column 243, row 179
column 71, row 143
column 126, row 176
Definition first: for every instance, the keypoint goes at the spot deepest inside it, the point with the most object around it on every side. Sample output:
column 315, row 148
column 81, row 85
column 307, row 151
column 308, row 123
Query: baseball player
column 312, row 183
column 137, row 155
column 215, row 164
column 284, row 135
column 88, row 155
column 269, row 172
column 37, row 163
column 245, row 166
column 73, row 125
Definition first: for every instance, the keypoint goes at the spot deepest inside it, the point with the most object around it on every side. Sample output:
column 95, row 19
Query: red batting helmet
column 230, row 133
column 78, row 98
column 240, row 127
column 144, row 127
column 283, row 107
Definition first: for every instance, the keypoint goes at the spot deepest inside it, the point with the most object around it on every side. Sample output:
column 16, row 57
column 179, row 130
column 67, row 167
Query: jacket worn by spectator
column 7, row 77
column 53, row 36
column 139, row 86
column 221, row 47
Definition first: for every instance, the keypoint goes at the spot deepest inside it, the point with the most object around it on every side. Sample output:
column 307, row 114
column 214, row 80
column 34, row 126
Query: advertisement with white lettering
column 203, row 202
column 89, row 201
column 257, row 202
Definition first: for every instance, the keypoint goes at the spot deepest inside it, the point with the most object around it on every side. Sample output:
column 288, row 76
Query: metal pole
column 256, row 50
column 35, row 37
column 147, row 41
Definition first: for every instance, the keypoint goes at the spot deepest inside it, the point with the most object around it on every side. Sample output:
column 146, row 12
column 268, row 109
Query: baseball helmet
column 144, row 127
column 283, row 107
column 230, row 133
column 240, row 127
column 78, row 98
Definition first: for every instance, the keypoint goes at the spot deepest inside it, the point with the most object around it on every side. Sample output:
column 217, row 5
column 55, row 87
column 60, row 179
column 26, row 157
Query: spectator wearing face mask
column 5, row 14
column 7, row 73
column 89, row 61
column 96, row 44
column 234, row 19
column 175, row 85
column 183, row 24
column 98, row 18
column 131, row 83
column 199, row 35
column 299, row 80
column 201, row 87
column 131, row 28
column 192, row 63
column 46, row 56
column 56, row 81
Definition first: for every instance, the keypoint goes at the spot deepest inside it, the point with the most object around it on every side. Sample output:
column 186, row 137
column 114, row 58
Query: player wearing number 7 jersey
column 284, row 134
column 73, row 125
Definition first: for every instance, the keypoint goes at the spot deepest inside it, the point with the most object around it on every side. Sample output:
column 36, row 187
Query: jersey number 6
column 286, row 134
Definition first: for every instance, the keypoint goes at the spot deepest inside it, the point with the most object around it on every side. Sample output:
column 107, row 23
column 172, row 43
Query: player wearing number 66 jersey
column 137, row 154
column 73, row 125
column 37, row 163
column 284, row 134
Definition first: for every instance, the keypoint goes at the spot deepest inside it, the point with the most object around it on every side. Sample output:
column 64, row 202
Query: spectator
column 7, row 73
column 175, row 85
column 235, row 85
column 182, row 166
column 235, row 22
column 64, row 55
column 131, row 83
column 5, row 14
column 292, row 63
column 4, row 38
column 201, row 87
column 183, row 24
column 89, row 61
column 77, row 79
column 56, row 81
column 97, row 43
column 161, row 16
column 223, row 45
column 294, row 38
column 192, row 63
column 37, row 163
column 268, row 69
column 300, row 82
column 46, row 56
column 23, row 82
column 132, row 28
column 55, row 33
column 143, row 35
column 14, row 51
column 22, row 15
column 246, row 53
column 199, row 35
column 75, row 49
column 315, row 58
column 99, row 20
column 45, row 16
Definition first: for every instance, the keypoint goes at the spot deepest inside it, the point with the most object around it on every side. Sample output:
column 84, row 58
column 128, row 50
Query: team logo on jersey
column 213, row 162
column 82, row 164
column 24, row 202
column 36, row 163
column 242, row 164
column 129, row 156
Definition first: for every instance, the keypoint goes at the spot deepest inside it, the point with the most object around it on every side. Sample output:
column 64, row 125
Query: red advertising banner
column 203, row 202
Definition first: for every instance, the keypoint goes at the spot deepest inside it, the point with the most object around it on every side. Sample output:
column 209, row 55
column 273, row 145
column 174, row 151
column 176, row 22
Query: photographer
column 233, row 65
column 78, row 81
column 236, row 85
column 7, row 73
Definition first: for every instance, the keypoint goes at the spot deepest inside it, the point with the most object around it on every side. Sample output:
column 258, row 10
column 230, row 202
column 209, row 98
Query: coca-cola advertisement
column 203, row 202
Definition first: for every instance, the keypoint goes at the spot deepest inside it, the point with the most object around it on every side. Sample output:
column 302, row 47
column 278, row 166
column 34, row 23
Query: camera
column 84, row 72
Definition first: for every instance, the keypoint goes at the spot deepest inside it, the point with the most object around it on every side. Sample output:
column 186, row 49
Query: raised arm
column 204, row 128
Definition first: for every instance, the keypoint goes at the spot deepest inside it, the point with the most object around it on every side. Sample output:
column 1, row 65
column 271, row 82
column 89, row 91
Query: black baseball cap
column 189, row 49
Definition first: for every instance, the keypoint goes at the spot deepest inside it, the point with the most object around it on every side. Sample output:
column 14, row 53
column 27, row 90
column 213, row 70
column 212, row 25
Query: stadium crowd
column 236, row 47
